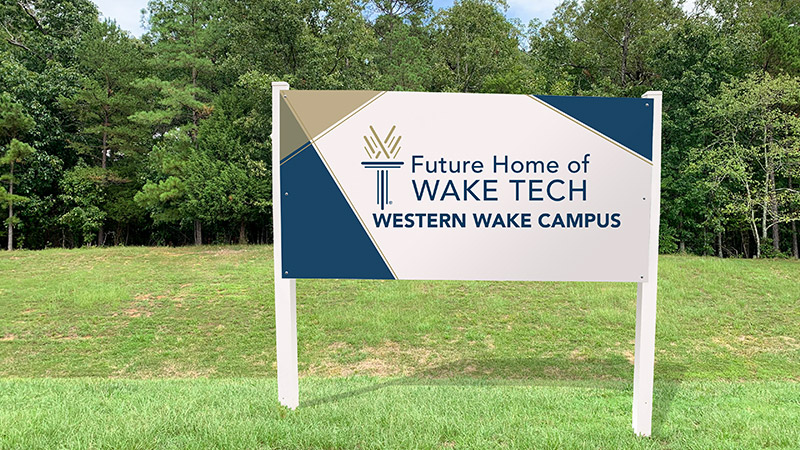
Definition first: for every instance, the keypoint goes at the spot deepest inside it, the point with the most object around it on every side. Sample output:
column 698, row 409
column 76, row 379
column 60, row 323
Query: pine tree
column 182, row 33
column 110, row 60
column 14, row 122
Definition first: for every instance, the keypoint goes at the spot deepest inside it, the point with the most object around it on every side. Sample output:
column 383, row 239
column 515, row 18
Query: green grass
column 391, row 413
column 386, row 364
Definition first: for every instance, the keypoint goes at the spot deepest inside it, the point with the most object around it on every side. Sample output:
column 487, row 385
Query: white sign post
column 421, row 186
column 285, row 288
column 646, row 292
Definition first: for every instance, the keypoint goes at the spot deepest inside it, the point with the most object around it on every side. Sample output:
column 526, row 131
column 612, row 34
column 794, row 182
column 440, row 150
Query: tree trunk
column 766, row 202
column 795, row 250
column 773, row 203
column 11, row 209
column 242, row 234
column 719, row 244
column 103, row 163
column 623, row 69
column 105, row 141
column 758, row 246
column 745, row 245
column 754, row 228
column 109, row 94
column 194, row 111
column 776, row 237
column 198, row 232
column 195, row 53
column 10, row 227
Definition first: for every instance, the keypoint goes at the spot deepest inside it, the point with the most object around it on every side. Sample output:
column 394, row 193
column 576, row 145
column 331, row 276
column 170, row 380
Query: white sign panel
column 399, row 185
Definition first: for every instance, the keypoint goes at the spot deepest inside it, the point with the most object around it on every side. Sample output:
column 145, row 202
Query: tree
column 692, row 60
column 16, row 153
column 756, row 125
column 110, row 60
column 237, row 181
column 340, row 47
column 402, row 53
column 43, row 31
column 222, row 179
column 473, row 42
column 183, row 36
column 38, row 39
column 766, row 28
column 604, row 43
column 14, row 121
column 166, row 195
column 84, row 192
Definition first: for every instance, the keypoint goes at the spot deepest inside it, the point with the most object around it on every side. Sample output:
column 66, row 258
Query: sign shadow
column 610, row 373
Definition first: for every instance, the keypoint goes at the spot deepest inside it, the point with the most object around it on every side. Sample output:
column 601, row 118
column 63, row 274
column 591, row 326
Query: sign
column 401, row 185
column 407, row 185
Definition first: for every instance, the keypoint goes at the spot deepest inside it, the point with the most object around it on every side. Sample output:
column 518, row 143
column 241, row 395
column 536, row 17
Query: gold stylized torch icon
column 386, row 148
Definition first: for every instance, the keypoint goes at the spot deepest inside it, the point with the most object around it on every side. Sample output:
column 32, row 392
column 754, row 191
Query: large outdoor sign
column 421, row 186
column 399, row 185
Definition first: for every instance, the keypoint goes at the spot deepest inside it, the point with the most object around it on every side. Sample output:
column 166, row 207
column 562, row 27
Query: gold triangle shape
column 318, row 110
column 292, row 134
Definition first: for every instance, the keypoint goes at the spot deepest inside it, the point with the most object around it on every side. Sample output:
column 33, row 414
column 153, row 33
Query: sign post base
column 286, row 339
column 644, row 361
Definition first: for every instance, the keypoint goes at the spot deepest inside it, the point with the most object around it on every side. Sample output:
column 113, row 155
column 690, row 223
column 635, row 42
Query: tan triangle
column 318, row 110
column 292, row 134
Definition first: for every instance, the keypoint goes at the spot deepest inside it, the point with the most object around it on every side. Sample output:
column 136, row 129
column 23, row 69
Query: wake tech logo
column 382, row 154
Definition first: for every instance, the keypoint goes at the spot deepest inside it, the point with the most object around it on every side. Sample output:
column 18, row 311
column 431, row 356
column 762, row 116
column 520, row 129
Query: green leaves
column 150, row 135
column 10, row 199
column 14, row 120
column 16, row 152
column 473, row 41
column 162, row 199
column 756, row 131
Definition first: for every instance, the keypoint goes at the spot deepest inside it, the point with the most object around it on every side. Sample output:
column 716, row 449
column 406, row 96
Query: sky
column 128, row 14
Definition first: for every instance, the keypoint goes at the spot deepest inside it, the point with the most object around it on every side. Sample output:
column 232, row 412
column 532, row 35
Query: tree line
column 109, row 139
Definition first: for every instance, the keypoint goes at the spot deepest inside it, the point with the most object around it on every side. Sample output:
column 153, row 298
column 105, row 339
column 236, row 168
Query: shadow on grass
column 613, row 373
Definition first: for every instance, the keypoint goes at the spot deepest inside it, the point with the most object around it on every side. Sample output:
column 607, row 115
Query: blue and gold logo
column 383, row 154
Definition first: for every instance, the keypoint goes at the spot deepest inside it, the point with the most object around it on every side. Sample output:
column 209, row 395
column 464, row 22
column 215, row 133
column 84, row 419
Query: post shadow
column 602, row 373
column 668, row 379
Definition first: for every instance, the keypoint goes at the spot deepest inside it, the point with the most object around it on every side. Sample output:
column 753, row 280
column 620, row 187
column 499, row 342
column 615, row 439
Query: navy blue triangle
column 322, row 237
column 628, row 121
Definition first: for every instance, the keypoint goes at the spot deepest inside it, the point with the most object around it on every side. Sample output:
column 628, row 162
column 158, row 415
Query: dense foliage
column 110, row 139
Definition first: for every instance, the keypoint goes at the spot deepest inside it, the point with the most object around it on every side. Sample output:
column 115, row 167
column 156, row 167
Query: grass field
column 174, row 347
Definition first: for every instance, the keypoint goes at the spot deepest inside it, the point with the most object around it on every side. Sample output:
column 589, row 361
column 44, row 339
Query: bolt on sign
column 448, row 186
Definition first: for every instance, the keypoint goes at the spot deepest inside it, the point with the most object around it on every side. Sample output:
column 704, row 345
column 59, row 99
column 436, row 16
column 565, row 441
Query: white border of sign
column 644, row 359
